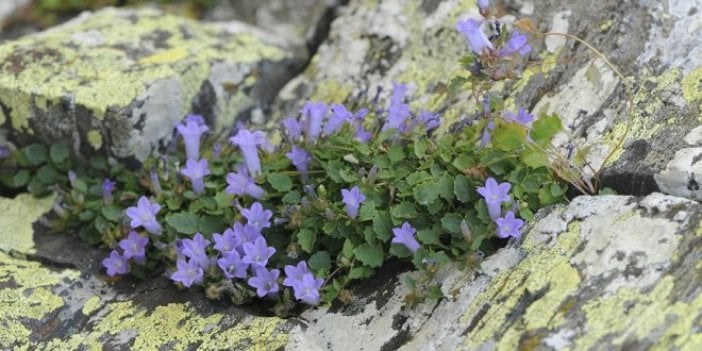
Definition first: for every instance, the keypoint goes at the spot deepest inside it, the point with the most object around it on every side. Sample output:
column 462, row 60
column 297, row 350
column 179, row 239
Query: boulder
column 118, row 80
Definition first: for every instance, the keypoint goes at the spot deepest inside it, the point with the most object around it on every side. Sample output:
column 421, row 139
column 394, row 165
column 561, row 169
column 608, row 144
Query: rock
column 9, row 8
column 117, row 81
column 605, row 272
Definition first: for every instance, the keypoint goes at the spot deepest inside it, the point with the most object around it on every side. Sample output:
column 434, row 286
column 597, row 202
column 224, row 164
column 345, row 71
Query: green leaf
column 292, row 198
column 306, row 238
column 382, row 225
column 371, row 256
column 462, row 188
column 545, row 196
column 545, row 128
column 183, row 222
column 280, row 182
column 360, row 272
column 37, row 187
column 452, row 223
column 59, row 152
column 463, row 162
column 367, row 211
column 445, row 186
column 86, row 215
column 509, row 136
column 21, row 178
column 348, row 175
column 420, row 148
column 535, row 158
column 404, row 210
column 347, row 250
column 211, row 224
column 428, row 236
column 223, row 200
column 435, row 292
column 48, row 175
column 112, row 213
column 36, row 154
column 320, row 261
column 399, row 250
column 396, row 154
column 425, row 194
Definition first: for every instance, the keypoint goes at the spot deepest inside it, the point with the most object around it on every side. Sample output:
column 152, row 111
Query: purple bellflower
column 116, row 264
column 240, row 183
column 107, row 187
column 474, row 35
column 293, row 128
column 340, row 115
column 362, row 135
column 307, row 288
column 517, row 43
column 484, row 6
column 257, row 217
column 494, row 194
column 191, row 130
column 352, row 198
column 194, row 118
column 196, row 171
column 265, row 281
column 72, row 178
column 522, row 117
column 188, row 272
column 144, row 215
column 226, row 242
column 134, row 246
column 216, row 151
column 258, row 253
column 195, row 250
column 404, row 235
column 248, row 142
column 293, row 274
column 299, row 158
column 509, row 226
column 398, row 111
column 155, row 182
column 232, row 266
column 314, row 114
column 426, row 119
column 244, row 233
column 4, row 152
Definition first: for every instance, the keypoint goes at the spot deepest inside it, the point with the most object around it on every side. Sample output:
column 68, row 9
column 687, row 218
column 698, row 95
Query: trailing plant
column 344, row 191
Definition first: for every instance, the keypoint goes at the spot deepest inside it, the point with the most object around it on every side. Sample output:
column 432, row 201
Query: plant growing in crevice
column 341, row 194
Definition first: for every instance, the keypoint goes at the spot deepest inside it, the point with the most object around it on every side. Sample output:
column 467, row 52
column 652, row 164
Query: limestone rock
column 117, row 81
column 603, row 273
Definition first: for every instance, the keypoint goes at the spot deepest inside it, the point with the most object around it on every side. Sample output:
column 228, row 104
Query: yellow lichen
column 16, row 218
column 91, row 305
column 528, row 278
column 692, row 85
column 95, row 139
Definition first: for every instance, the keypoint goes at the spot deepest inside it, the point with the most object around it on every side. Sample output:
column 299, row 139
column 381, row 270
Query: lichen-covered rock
column 603, row 273
column 118, row 81
column 52, row 298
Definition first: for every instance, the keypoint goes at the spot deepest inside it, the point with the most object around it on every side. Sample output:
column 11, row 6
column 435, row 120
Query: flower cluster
column 133, row 247
column 495, row 195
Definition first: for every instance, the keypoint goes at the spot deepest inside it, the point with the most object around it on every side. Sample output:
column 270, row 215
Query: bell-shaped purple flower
column 292, row 128
column 494, row 195
column 116, row 264
column 155, row 182
column 314, row 113
column 522, row 117
column 188, row 272
column 474, row 35
column 241, row 183
column 352, row 199
column 307, row 288
column 340, row 115
column 144, row 215
column 517, row 43
column 134, row 246
column 196, row 171
column 483, row 6
column 245, row 233
column 362, row 136
column 404, row 235
column 257, row 217
column 248, row 143
column 299, row 158
column 226, row 242
column 195, row 250
column 191, row 131
column 398, row 111
column 294, row 274
column 265, row 281
column 257, row 253
column 107, row 187
column 232, row 266
column 509, row 226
